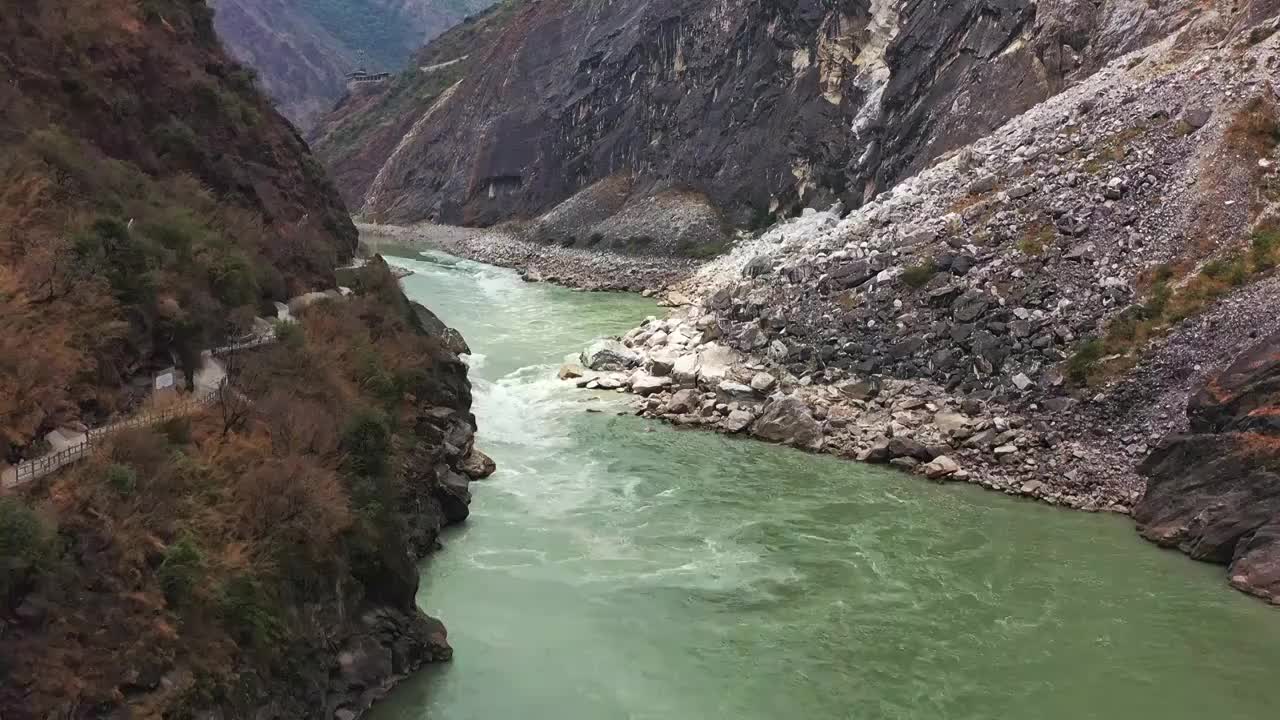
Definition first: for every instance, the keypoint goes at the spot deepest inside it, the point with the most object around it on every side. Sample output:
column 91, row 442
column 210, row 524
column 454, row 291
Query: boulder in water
column 788, row 420
column 609, row 354
column 477, row 465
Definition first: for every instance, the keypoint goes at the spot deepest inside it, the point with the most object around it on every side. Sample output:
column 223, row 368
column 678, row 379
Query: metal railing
column 23, row 473
column 36, row 468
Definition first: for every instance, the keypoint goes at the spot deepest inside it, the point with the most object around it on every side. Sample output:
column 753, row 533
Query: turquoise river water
column 619, row 568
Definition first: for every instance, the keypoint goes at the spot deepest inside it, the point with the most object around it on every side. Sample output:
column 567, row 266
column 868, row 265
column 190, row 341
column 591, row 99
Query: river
column 619, row 568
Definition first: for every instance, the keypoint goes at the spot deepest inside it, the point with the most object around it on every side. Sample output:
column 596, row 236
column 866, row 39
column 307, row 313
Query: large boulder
column 609, row 354
column 716, row 361
column 685, row 370
column 645, row 384
column 787, row 420
column 684, row 401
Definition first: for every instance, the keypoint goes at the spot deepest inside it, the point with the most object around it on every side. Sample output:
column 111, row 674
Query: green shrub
column 125, row 258
column 233, row 280
column 366, row 440
column 919, row 275
column 122, row 479
column 1262, row 250
column 250, row 615
column 181, row 569
column 1080, row 364
column 27, row 547
column 290, row 335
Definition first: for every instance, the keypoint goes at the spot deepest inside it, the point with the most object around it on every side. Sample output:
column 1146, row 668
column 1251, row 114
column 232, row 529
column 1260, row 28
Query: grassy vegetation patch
column 1097, row 360
column 919, row 274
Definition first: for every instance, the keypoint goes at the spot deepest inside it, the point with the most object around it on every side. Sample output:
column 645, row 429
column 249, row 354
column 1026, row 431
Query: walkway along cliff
column 256, row 556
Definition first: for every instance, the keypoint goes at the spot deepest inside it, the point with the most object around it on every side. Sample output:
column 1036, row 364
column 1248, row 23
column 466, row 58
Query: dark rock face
column 761, row 107
column 1215, row 493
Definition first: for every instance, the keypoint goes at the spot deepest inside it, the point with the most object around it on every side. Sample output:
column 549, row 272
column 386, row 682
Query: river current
column 618, row 568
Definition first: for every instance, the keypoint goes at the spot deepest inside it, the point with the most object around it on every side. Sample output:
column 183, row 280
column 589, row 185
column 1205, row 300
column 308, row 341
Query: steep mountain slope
column 255, row 556
column 303, row 49
column 760, row 106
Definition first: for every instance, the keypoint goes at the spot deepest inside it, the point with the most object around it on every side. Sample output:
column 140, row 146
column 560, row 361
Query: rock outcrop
column 747, row 109
column 1214, row 492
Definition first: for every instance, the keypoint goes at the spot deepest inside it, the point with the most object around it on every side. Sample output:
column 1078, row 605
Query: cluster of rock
column 686, row 375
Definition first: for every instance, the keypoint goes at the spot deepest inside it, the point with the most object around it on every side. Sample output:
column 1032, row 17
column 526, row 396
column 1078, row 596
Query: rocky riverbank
column 572, row 267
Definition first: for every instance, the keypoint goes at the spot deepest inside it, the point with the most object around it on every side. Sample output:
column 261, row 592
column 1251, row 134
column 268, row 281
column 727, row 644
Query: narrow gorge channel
column 618, row 568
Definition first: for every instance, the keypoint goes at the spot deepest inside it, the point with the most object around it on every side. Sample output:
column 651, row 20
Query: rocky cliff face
column 304, row 49
column 748, row 108
column 1214, row 492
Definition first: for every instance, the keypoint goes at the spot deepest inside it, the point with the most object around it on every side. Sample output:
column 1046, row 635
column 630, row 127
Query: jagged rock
column 364, row 663
column 1215, row 492
column 984, row 184
column 778, row 351
column 660, row 363
column 609, row 354
column 1197, row 117
column 787, row 420
column 478, row 466
column 453, row 493
column 950, row 423
column 969, row 306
